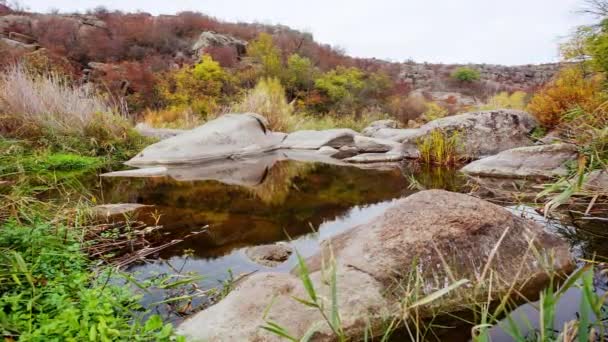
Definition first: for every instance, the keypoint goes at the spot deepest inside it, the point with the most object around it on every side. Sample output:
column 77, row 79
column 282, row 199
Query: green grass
column 61, row 162
column 50, row 291
column 440, row 148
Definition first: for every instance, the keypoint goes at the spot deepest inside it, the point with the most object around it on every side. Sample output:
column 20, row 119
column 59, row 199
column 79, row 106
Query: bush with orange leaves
column 571, row 89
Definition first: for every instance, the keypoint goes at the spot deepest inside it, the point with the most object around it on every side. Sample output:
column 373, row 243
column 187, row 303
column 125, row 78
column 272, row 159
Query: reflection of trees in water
column 430, row 177
column 278, row 181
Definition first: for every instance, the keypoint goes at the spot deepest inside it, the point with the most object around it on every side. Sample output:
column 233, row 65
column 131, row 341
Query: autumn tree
column 342, row 87
column 299, row 75
column 199, row 87
column 265, row 53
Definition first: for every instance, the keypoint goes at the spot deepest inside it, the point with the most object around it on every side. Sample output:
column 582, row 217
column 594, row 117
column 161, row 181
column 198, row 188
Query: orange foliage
column 569, row 90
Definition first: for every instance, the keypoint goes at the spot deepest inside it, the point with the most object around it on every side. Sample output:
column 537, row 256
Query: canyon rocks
column 480, row 133
column 209, row 39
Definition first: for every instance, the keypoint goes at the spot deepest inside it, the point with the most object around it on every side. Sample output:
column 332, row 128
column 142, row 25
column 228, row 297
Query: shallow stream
column 299, row 203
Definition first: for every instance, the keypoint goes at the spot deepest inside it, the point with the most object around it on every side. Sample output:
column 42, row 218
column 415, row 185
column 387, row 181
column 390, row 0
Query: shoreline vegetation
column 56, row 129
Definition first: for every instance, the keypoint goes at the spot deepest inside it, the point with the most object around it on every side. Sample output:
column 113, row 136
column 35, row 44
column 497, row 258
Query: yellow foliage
column 570, row 90
column 173, row 117
column 434, row 111
column 198, row 87
column 502, row 100
column 268, row 99
column 440, row 148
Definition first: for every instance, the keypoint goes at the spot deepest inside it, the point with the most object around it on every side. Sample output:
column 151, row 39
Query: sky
column 438, row 31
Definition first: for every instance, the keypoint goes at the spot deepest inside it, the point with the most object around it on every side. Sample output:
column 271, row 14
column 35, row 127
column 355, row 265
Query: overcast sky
column 448, row 31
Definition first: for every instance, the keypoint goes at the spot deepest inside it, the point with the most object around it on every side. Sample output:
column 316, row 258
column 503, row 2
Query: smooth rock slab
column 375, row 158
column 418, row 234
column 229, row 136
column 544, row 161
column 314, row 140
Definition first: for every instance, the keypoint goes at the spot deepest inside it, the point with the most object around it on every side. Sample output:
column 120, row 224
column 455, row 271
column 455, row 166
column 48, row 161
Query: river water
column 299, row 203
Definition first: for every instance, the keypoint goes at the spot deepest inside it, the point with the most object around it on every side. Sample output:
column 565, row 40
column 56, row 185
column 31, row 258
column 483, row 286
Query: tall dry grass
column 268, row 99
column 50, row 102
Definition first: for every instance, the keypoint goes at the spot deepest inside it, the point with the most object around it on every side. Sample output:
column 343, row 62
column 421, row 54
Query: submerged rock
column 229, row 136
column 269, row 255
column 118, row 211
column 482, row 133
column 365, row 158
column 544, row 161
column 314, row 140
column 429, row 232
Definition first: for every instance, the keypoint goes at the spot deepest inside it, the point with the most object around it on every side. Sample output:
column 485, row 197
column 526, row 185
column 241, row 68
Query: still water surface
column 296, row 202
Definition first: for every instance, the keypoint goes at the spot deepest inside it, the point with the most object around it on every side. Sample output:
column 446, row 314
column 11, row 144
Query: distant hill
column 129, row 49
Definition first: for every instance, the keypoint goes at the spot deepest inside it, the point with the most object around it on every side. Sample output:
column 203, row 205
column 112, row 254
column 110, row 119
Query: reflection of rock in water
column 265, row 206
column 278, row 181
column 429, row 177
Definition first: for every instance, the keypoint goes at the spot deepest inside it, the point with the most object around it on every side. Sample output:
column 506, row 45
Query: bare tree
column 596, row 8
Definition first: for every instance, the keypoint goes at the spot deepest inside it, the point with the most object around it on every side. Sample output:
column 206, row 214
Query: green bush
column 465, row 74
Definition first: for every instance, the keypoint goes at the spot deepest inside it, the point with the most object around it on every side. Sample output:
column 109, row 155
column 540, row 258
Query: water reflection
column 275, row 198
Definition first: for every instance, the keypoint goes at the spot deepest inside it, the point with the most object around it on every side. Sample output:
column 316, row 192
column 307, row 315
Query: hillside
column 131, row 55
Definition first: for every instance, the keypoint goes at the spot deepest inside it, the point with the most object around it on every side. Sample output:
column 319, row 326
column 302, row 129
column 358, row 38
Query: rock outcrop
column 509, row 78
column 481, row 133
column 544, row 161
column 209, row 39
column 429, row 232
column 229, row 136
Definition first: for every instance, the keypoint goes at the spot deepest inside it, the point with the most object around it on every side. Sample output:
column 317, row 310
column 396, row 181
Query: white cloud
column 479, row 31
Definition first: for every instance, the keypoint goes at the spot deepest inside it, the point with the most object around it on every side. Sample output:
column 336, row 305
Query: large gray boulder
column 378, row 125
column 482, row 133
column 374, row 145
column 544, row 161
column 314, row 140
column 427, row 233
column 229, row 136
